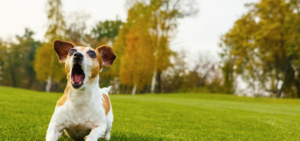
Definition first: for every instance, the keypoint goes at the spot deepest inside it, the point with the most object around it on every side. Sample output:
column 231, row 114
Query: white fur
column 83, row 111
column 106, row 89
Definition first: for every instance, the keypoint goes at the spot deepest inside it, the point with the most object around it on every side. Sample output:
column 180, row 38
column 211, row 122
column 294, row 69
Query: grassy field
column 24, row 115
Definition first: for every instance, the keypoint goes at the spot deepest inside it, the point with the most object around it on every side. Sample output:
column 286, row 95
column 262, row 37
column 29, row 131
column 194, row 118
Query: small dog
column 84, row 111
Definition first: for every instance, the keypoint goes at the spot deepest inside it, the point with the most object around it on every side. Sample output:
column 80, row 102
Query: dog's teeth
column 73, row 82
column 79, row 82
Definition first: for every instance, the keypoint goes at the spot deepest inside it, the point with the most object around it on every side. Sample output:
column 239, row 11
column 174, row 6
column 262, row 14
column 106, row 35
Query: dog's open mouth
column 77, row 76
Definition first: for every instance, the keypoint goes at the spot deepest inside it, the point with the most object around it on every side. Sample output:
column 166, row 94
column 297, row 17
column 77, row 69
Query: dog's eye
column 72, row 51
column 92, row 54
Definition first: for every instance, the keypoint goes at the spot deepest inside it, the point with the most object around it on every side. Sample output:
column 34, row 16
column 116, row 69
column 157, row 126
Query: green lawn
column 24, row 115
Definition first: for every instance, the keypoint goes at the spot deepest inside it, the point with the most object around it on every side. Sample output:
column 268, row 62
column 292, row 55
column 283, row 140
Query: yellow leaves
column 137, row 63
column 46, row 64
column 40, row 67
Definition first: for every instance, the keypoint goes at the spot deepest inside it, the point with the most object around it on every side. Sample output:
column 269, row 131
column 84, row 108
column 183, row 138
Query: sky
column 195, row 35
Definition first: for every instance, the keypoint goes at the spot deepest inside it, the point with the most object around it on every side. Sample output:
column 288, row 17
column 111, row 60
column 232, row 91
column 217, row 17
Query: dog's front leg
column 97, row 132
column 55, row 127
column 53, row 132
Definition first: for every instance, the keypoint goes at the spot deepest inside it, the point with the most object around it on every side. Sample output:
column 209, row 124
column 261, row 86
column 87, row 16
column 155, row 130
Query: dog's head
column 83, row 64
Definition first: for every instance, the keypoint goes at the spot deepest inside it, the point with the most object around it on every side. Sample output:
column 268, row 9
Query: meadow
column 25, row 114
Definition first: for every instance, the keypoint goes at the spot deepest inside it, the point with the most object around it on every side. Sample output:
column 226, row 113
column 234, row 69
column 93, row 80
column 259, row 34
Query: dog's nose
column 78, row 56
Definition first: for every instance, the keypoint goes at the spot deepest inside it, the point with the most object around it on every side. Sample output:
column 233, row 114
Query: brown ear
column 107, row 55
column 62, row 49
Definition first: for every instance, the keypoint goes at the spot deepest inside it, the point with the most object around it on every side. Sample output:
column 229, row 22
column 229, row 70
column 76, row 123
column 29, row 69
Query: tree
column 28, row 47
column 263, row 47
column 158, row 21
column 8, row 61
column 16, row 61
column 200, row 75
column 174, row 78
column 46, row 64
column 164, row 19
column 137, row 62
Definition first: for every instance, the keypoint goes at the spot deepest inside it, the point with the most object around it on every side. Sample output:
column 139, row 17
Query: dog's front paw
column 87, row 138
column 106, row 137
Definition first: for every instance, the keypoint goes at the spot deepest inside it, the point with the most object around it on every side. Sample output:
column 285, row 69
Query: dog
column 84, row 111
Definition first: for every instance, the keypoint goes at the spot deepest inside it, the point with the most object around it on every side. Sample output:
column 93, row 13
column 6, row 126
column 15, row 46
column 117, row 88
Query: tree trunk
column 296, row 82
column 158, row 82
column 48, row 85
column 153, row 82
column 31, row 79
column 134, row 89
column 282, row 85
column 286, row 71
column 14, row 84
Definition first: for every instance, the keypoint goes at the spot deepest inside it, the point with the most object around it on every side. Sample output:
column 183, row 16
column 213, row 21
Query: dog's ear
column 107, row 55
column 62, row 49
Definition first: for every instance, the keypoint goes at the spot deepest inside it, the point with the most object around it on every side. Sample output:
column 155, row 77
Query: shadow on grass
column 123, row 137
column 119, row 136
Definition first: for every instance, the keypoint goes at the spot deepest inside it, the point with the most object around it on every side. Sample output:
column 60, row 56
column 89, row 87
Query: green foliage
column 106, row 31
column 26, row 114
column 16, row 61
column 228, row 77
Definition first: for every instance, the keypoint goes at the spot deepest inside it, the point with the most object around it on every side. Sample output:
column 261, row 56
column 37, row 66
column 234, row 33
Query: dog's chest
column 84, row 117
column 80, row 123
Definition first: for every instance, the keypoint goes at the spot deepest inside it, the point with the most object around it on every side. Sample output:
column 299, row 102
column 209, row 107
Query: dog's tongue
column 77, row 78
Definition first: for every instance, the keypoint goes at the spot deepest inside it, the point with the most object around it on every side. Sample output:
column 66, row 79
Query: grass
column 25, row 115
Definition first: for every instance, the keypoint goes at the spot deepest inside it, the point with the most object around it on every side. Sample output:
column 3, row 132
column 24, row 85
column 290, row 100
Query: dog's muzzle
column 77, row 74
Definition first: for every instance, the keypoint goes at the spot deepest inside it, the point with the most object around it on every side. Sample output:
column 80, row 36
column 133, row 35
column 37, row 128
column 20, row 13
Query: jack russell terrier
column 84, row 111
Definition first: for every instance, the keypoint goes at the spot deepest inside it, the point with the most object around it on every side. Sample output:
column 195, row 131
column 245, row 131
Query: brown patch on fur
column 67, row 67
column 64, row 97
column 99, row 58
column 95, row 71
column 96, row 68
column 106, row 103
